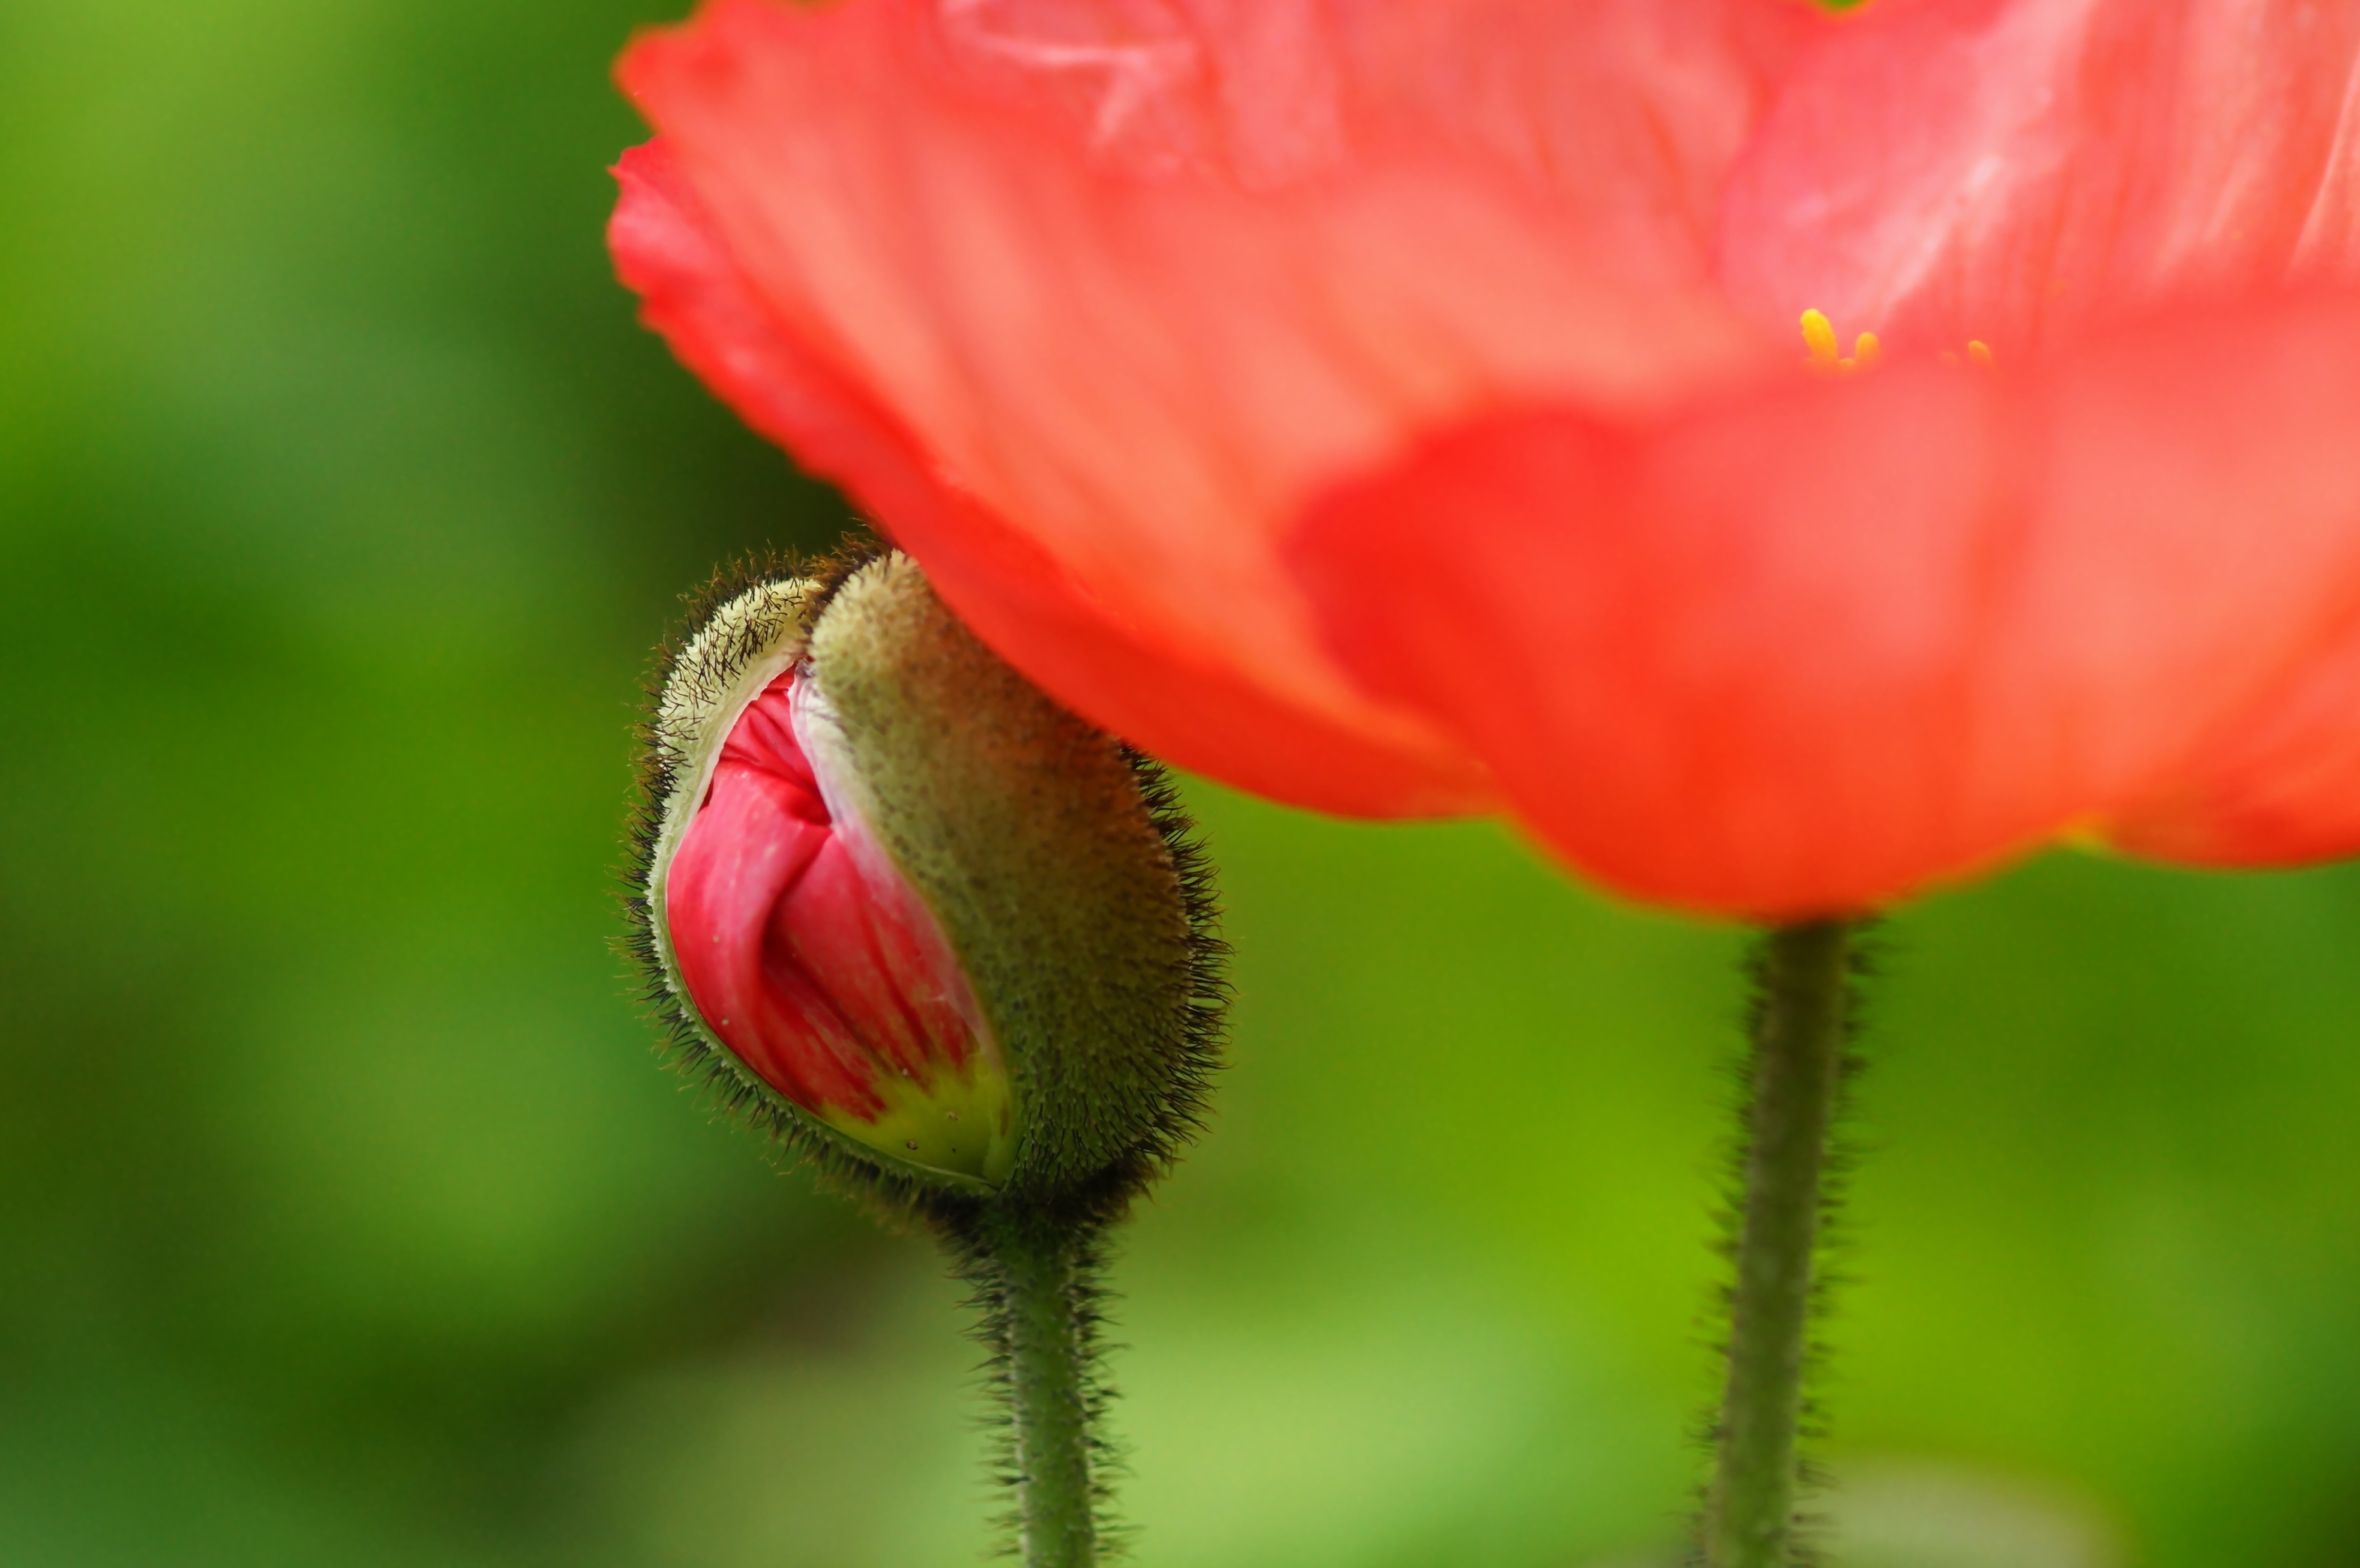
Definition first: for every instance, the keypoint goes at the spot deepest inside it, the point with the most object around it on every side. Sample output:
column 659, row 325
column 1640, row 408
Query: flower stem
column 1039, row 1289
column 1798, row 1046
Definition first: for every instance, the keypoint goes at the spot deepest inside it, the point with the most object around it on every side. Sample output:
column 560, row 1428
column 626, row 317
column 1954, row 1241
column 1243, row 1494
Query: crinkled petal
column 2027, row 171
column 1808, row 650
column 820, row 974
column 1135, row 276
column 1179, row 701
column 749, row 848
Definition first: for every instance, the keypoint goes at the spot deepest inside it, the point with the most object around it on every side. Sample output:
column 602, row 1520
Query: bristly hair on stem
column 986, row 1242
column 1032, row 1252
column 1840, row 1156
column 996, row 1294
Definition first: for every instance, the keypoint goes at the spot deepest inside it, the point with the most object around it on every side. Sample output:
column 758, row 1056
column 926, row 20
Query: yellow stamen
column 1826, row 358
column 1978, row 355
column 1819, row 338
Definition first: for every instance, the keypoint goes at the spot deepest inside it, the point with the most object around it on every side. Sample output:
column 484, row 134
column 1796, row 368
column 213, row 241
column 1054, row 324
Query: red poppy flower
column 1391, row 406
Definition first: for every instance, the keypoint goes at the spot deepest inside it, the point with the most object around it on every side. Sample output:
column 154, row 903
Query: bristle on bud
column 942, row 936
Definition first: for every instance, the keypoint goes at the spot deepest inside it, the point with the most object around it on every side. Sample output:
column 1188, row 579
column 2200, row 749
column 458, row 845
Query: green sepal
column 1056, row 866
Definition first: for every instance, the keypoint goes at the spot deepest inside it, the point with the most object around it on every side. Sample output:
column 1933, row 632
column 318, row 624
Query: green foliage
column 346, row 1221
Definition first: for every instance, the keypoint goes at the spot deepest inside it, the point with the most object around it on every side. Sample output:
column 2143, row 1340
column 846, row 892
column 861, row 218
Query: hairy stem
column 1797, row 1062
column 1044, row 1291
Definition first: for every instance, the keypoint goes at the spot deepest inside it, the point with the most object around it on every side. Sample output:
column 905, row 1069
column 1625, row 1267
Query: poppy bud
column 939, row 933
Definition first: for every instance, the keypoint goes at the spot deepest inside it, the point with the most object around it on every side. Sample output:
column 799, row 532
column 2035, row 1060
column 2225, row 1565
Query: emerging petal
column 820, row 968
column 2026, row 171
column 1808, row 651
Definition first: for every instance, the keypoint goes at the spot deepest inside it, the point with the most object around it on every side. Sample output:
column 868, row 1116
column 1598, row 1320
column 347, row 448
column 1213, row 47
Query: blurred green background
column 344, row 1218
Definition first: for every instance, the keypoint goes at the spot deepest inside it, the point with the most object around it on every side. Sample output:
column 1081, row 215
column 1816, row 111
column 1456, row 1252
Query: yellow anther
column 1825, row 357
column 1820, row 337
column 1978, row 355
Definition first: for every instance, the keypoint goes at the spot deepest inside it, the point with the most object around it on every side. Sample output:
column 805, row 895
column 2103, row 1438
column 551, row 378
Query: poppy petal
column 1133, row 277
column 2029, row 171
column 2280, row 786
column 1182, row 705
column 1810, row 649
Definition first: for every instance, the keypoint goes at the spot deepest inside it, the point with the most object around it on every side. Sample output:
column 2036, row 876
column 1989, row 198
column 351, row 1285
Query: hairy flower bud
column 943, row 935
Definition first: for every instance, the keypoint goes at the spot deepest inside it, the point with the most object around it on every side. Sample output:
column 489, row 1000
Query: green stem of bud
column 1037, row 1278
column 1799, row 1041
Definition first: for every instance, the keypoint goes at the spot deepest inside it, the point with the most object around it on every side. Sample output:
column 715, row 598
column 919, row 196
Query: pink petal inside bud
column 818, row 966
